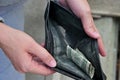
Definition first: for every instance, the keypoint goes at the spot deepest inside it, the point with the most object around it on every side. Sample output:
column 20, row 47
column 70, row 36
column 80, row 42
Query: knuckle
column 91, row 28
column 88, row 10
column 47, row 58
column 85, row 12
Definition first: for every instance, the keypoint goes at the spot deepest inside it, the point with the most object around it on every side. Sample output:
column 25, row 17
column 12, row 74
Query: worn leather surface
column 72, row 34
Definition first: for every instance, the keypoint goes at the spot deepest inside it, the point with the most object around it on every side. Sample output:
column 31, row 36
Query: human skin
column 22, row 50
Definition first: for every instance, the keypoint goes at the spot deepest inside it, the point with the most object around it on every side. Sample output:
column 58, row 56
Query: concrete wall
column 108, row 28
column 34, row 26
column 105, row 7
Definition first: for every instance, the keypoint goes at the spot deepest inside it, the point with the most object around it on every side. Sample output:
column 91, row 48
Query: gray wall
column 34, row 25
column 105, row 7
column 34, row 18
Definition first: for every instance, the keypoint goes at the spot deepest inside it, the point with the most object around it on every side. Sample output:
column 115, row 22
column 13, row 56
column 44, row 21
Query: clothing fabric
column 5, row 6
column 9, row 2
column 12, row 13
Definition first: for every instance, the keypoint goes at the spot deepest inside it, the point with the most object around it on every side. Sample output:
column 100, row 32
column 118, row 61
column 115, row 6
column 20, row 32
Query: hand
column 82, row 10
column 25, row 54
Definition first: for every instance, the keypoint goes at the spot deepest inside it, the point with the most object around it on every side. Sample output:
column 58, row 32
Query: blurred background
column 106, row 15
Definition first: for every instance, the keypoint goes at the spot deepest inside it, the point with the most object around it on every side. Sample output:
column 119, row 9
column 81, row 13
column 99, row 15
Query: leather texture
column 64, row 29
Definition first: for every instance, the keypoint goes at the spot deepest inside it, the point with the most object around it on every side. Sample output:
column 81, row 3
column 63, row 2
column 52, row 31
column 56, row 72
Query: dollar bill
column 80, row 60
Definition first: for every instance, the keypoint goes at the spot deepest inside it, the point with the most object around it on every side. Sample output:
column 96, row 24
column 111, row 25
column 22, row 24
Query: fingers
column 32, row 64
column 89, row 26
column 82, row 10
column 91, row 31
column 44, row 55
column 101, row 47
column 40, row 68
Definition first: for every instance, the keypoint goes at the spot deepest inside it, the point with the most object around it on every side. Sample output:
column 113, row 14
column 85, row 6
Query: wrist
column 4, row 32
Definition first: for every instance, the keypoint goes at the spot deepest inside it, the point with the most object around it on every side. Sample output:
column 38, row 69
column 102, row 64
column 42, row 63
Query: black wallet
column 76, row 53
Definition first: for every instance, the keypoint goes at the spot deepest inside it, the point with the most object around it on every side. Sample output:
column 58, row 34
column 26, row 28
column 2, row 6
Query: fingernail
column 53, row 63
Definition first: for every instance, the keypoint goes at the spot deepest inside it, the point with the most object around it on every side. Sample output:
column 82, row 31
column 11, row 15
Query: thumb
column 90, row 29
column 82, row 10
column 43, row 55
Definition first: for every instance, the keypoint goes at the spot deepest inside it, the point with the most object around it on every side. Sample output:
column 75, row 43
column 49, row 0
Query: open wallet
column 76, row 53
